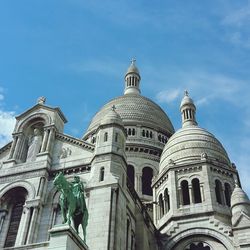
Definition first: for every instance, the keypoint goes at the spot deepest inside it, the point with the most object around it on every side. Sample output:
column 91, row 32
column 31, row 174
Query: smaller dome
column 239, row 197
column 112, row 117
column 190, row 144
column 132, row 68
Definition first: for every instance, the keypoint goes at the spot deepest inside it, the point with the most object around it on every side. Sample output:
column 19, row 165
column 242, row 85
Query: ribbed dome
column 135, row 109
column 189, row 144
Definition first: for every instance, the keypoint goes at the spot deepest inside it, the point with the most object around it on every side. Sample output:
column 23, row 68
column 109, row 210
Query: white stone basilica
column 147, row 187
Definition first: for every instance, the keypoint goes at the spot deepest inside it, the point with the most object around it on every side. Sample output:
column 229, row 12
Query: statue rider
column 78, row 191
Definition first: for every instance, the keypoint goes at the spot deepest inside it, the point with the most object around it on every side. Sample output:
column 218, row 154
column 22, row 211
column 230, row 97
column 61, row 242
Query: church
column 146, row 185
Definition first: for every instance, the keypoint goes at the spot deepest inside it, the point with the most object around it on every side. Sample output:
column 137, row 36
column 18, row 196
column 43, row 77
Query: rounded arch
column 25, row 184
column 183, row 178
column 193, row 234
column 197, row 176
column 147, row 164
column 33, row 118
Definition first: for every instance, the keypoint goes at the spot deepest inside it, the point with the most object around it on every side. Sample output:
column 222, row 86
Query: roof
column 135, row 109
column 188, row 145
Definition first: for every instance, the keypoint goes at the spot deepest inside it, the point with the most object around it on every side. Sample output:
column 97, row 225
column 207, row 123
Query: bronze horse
column 72, row 202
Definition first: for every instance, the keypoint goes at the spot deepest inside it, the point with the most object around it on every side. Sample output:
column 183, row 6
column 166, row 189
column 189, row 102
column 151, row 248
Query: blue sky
column 76, row 53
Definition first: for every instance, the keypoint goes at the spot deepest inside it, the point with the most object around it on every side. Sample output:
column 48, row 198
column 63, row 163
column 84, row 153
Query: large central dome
column 135, row 109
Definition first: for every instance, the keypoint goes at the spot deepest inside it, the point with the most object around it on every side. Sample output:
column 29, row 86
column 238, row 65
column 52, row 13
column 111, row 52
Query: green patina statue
column 72, row 202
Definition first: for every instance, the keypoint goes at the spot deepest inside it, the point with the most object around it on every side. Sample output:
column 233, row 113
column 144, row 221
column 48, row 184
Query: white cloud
column 167, row 96
column 203, row 87
column 236, row 24
column 106, row 67
column 7, row 123
column 238, row 17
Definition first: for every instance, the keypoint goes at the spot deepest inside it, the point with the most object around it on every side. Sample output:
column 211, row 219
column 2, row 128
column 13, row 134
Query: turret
column 132, row 79
column 188, row 110
column 111, row 135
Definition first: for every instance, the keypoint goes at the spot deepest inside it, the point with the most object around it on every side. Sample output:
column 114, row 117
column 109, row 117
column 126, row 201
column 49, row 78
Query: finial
column 133, row 60
column 113, row 107
column 185, row 93
column 41, row 100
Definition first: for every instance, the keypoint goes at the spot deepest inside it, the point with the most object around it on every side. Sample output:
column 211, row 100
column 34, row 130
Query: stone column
column 17, row 146
column 32, row 225
column 13, row 146
column 164, row 205
column 41, row 187
column 191, row 197
column 3, row 213
column 54, row 212
column 140, row 184
column 180, row 197
column 222, row 193
column 137, row 176
column 51, row 135
column 202, row 193
column 23, row 226
column 45, row 140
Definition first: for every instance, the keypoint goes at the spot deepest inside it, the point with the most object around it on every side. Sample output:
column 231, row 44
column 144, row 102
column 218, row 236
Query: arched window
column 131, row 174
column 101, row 176
column 218, row 192
column 143, row 133
column 167, row 200
column 147, row 175
column 14, row 201
column 150, row 134
column 228, row 194
column 129, row 131
column 147, row 134
column 133, row 131
column 185, row 193
column 116, row 137
column 161, row 206
column 106, row 136
column 159, row 137
column 196, row 190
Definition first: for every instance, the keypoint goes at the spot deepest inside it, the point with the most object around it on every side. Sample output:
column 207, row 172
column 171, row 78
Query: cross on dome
column 133, row 60
column 113, row 107
column 41, row 100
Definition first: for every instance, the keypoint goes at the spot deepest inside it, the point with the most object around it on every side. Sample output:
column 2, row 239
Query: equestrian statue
column 72, row 202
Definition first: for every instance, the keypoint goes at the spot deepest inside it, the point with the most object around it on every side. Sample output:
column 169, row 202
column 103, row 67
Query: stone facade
column 146, row 186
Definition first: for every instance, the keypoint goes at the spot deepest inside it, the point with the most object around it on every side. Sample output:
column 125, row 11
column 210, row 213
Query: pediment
column 39, row 108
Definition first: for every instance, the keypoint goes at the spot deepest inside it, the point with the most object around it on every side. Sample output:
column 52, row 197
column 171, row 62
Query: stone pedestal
column 64, row 237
